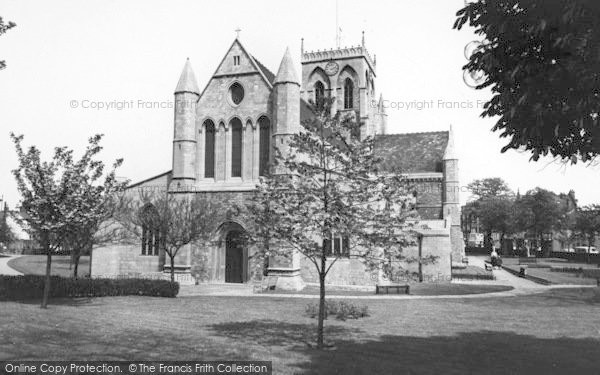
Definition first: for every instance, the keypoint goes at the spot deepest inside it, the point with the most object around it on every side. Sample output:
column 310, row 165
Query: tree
column 540, row 212
column 587, row 223
column 496, row 215
column 489, row 187
column 541, row 60
column 328, row 201
column 3, row 29
column 179, row 220
column 98, row 226
column 6, row 234
column 53, row 200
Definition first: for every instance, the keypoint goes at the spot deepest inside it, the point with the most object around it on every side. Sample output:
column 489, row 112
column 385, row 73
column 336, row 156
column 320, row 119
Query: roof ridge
column 266, row 71
column 429, row 132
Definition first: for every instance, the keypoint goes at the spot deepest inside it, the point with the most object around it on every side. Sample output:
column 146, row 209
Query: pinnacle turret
column 287, row 72
column 187, row 80
column 450, row 152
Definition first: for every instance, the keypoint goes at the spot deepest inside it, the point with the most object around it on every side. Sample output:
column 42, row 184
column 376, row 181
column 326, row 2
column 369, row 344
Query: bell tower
column 347, row 74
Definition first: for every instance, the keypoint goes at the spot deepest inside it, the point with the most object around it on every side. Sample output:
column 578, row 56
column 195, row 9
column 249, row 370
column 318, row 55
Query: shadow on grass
column 84, row 301
column 487, row 352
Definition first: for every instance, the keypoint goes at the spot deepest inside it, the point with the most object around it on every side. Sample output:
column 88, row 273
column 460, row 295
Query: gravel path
column 5, row 269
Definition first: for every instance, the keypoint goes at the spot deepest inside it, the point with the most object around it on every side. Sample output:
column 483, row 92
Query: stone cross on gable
column 237, row 32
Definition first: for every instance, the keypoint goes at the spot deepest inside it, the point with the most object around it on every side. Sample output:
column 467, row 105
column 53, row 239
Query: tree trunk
column 76, row 265
column 47, row 282
column 321, row 309
column 172, row 268
column 91, row 250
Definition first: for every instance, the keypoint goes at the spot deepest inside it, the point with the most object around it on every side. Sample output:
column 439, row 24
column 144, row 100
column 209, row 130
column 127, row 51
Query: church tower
column 184, row 139
column 348, row 74
column 451, row 199
column 286, row 104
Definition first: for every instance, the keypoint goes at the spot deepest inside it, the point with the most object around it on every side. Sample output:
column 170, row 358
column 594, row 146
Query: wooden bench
column 385, row 289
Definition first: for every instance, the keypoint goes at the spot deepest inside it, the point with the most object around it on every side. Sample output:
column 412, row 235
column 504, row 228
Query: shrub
column 32, row 286
column 340, row 309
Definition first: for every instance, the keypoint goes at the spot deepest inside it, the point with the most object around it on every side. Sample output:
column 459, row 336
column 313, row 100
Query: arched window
column 236, row 147
column 264, row 126
column 209, row 149
column 319, row 94
column 150, row 230
column 348, row 94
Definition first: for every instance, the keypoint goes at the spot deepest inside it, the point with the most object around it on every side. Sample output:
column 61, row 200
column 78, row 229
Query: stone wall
column 435, row 241
column 122, row 261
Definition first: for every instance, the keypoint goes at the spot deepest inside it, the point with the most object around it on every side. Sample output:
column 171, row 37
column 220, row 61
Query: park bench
column 385, row 289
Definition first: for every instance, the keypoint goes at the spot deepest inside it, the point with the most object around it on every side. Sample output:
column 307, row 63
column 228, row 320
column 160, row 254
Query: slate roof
column 268, row 74
column 412, row 152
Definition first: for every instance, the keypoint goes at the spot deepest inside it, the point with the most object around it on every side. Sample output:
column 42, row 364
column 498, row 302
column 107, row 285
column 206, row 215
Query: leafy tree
column 489, row 187
column 6, row 235
column 326, row 188
column 98, row 227
column 496, row 215
column 53, row 199
column 541, row 60
column 4, row 27
column 180, row 220
column 587, row 223
column 540, row 212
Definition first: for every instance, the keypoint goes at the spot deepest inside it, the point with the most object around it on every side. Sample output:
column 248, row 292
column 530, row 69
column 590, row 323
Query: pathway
column 5, row 269
column 521, row 287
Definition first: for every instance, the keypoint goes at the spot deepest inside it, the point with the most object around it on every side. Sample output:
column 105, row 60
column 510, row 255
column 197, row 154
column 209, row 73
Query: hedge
column 32, row 286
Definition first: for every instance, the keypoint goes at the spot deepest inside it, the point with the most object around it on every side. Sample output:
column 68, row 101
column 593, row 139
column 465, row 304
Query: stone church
column 224, row 137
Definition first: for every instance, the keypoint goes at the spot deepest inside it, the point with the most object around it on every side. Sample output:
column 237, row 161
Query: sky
column 80, row 68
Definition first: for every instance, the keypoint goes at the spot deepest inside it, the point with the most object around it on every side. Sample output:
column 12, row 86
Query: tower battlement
column 338, row 53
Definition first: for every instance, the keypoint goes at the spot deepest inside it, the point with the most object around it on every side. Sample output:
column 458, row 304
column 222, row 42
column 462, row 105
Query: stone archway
column 236, row 257
column 234, row 253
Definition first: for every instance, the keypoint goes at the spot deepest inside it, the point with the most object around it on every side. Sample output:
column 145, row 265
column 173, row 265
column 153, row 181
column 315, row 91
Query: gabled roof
column 412, row 152
column 266, row 72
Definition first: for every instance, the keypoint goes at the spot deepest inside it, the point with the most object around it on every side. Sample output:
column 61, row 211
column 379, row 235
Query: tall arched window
column 209, row 149
column 348, row 94
column 150, row 230
column 236, row 147
column 319, row 94
column 264, row 126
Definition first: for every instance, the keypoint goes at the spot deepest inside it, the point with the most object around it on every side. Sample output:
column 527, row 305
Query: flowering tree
column 61, row 195
column 3, row 28
column 178, row 219
column 326, row 200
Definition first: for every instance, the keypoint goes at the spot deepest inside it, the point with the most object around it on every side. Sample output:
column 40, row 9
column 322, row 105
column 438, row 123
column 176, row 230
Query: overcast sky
column 66, row 54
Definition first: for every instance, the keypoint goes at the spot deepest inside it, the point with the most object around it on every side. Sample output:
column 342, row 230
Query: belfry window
column 236, row 60
column 348, row 94
column 236, row 147
column 319, row 94
column 209, row 149
column 264, row 126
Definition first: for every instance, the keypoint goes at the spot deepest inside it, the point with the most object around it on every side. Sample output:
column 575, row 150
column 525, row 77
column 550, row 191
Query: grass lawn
column 553, row 333
column 472, row 273
column 36, row 265
column 538, row 270
column 429, row 289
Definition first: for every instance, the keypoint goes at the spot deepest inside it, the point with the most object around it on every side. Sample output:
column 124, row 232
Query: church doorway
column 236, row 257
